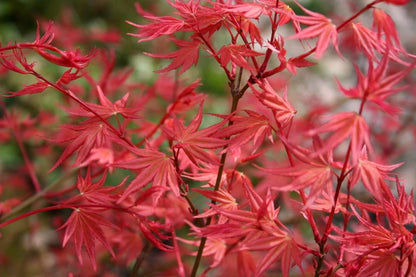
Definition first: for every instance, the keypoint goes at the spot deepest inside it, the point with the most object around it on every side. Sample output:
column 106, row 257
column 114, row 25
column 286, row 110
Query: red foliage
column 288, row 194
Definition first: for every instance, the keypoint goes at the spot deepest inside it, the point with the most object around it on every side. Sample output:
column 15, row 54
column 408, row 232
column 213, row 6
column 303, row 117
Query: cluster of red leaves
column 288, row 192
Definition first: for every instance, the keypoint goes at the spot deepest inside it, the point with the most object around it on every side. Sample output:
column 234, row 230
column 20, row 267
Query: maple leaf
column 155, row 167
column 223, row 199
column 299, row 61
column 237, row 54
column 56, row 56
column 250, row 28
column 369, row 41
column 201, row 19
column 382, row 243
column 193, row 141
column 282, row 110
column 286, row 15
column 84, row 227
column 377, row 85
column 399, row 210
column 371, row 174
column 83, row 137
column 279, row 246
column 106, row 108
column 163, row 25
column 102, row 155
column 343, row 126
column 247, row 10
column 384, row 24
column 313, row 171
column 68, row 77
column 257, row 230
column 376, row 247
column 321, row 27
column 277, row 46
column 272, row 237
column 216, row 247
column 67, row 58
column 95, row 193
column 255, row 127
column 19, row 57
column 185, row 57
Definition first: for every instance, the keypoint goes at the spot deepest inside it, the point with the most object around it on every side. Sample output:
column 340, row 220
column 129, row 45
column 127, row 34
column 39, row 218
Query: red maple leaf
column 255, row 127
column 237, row 55
column 259, row 230
column 201, row 19
column 83, row 137
column 379, row 249
column 371, row 174
column 163, row 25
column 382, row 245
column 95, row 193
column 193, row 141
column 384, row 24
column 84, row 227
column 106, row 108
column 247, row 10
column 312, row 171
column 154, row 167
column 320, row 26
column 343, row 126
column 185, row 57
column 281, row 108
column 223, row 199
column 377, row 85
column 369, row 42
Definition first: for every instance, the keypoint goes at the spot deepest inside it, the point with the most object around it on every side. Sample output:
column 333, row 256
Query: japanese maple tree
column 260, row 174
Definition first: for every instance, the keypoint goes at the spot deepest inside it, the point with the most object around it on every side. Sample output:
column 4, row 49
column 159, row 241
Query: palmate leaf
column 106, row 108
column 185, row 57
column 164, row 25
column 154, row 167
column 89, row 134
column 254, row 127
column 194, row 142
column 84, row 227
column 371, row 174
column 258, row 229
column 319, row 26
column 237, row 54
column 377, row 85
column 344, row 126
column 95, row 193
column 282, row 110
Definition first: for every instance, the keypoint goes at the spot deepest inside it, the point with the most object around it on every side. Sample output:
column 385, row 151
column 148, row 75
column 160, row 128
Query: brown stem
column 145, row 251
